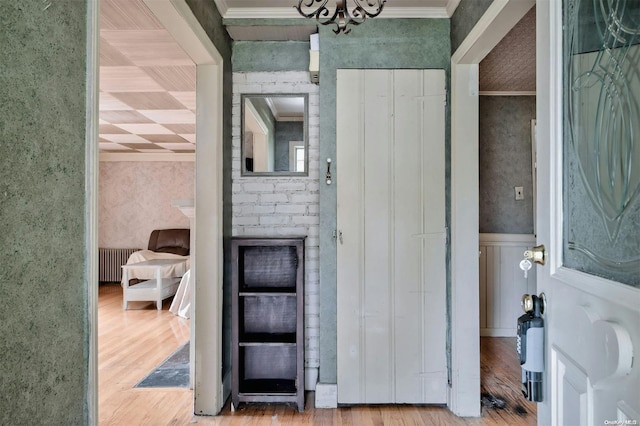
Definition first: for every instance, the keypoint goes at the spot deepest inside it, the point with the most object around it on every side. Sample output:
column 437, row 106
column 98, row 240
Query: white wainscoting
column 502, row 282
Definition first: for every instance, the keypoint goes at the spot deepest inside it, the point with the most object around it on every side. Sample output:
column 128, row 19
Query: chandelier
column 345, row 12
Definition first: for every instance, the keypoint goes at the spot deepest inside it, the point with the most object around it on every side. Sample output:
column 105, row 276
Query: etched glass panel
column 601, row 146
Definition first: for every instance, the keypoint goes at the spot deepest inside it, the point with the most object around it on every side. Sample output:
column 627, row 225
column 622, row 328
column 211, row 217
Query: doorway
column 206, row 330
column 507, row 107
column 497, row 21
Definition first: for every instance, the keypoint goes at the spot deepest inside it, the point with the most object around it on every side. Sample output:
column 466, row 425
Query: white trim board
column 206, row 333
column 291, row 13
column 496, row 22
column 490, row 239
column 91, row 204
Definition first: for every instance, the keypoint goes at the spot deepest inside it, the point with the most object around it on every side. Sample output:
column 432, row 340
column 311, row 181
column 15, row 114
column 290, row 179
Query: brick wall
column 283, row 206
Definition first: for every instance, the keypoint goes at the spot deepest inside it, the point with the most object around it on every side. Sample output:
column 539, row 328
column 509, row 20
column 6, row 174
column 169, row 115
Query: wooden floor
column 132, row 343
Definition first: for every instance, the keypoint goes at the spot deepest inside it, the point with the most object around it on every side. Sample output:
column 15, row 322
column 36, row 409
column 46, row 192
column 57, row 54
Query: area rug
column 173, row 372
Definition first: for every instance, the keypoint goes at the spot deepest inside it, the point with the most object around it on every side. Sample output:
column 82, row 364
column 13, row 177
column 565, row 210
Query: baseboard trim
column 506, row 239
column 326, row 395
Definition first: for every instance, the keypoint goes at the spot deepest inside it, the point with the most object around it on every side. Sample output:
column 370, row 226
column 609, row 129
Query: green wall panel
column 44, row 333
column 465, row 18
column 252, row 56
column 505, row 162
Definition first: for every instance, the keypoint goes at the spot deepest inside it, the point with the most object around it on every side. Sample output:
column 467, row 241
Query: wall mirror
column 274, row 134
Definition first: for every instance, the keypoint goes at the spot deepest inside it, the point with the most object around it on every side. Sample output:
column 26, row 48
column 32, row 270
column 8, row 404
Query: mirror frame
column 243, row 98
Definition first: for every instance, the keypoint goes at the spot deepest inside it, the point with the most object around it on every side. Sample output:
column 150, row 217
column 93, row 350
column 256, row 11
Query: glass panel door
column 601, row 138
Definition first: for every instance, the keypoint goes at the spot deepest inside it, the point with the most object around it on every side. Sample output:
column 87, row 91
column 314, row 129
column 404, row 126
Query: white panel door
column 391, row 236
column 592, row 373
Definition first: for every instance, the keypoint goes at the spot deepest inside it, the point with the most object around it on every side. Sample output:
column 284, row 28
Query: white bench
column 155, row 290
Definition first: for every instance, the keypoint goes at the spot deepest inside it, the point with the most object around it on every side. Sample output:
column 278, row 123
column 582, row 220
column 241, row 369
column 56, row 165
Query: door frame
column 206, row 332
column 497, row 21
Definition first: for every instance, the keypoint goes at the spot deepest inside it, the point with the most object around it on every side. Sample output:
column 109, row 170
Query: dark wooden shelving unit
column 268, row 320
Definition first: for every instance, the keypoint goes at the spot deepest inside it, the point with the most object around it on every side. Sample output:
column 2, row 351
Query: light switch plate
column 519, row 193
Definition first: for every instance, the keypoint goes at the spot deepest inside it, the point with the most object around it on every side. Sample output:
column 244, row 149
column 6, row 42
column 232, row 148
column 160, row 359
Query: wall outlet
column 519, row 193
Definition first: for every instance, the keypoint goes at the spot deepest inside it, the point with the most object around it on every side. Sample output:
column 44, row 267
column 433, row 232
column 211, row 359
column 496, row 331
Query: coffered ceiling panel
column 127, row 138
column 128, row 116
column 127, row 79
column 150, row 147
column 166, row 139
column 187, row 99
column 177, row 147
column 127, row 15
column 170, row 116
column 145, row 129
column 147, row 47
column 149, row 100
column 181, row 128
column 177, row 78
column 110, row 56
column 110, row 129
column 108, row 102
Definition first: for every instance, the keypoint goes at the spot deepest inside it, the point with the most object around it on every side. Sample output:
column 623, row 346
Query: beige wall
column 135, row 198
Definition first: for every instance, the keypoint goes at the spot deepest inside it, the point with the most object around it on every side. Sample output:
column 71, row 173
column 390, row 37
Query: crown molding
column 291, row 12
column 261, row 13
column 139, row 156
column 452, row 5
column 414, row 12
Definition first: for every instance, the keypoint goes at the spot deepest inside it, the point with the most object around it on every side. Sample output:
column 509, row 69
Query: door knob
column 537, row 254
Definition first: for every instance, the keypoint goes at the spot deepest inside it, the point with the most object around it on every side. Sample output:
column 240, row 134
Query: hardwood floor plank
column 132, row 343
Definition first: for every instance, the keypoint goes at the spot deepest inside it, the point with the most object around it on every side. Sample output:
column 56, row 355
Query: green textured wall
column 465, row 18
column 249, row 56
column 505, row 162
column 379, row 43
column 44, row 332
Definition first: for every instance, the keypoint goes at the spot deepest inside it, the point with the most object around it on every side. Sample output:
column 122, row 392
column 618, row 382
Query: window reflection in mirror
column 274, row 134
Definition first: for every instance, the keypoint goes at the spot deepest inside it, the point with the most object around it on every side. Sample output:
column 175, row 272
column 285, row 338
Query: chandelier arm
column 315, row 12
column 344, row 14
column 377, row 4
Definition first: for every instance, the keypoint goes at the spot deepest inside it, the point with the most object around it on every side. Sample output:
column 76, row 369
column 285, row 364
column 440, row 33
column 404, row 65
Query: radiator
column 110, row 261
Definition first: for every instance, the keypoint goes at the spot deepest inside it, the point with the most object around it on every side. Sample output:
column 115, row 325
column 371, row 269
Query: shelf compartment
column 256, row 339
column 275, row 363
column 272, row 315
column 267, row 387
column 267, row 266
column 268, row 291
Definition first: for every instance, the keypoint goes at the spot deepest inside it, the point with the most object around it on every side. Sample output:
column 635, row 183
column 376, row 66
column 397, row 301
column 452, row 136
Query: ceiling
column 511, row 65
column 147, row 82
